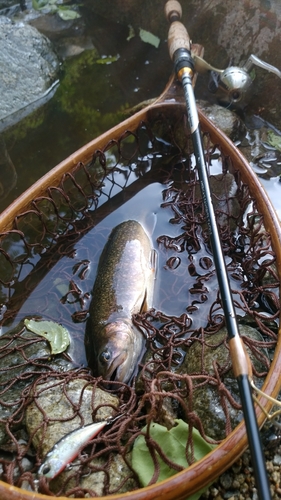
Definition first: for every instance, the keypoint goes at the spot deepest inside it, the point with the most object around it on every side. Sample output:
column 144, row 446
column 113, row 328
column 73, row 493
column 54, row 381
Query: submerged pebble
column 117, row 469
column 223, row 118
column 207, row 358
column 24, row 361
column 53, row 413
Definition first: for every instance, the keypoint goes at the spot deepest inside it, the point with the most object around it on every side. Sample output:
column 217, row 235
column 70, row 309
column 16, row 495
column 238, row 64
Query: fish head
column 118, row 357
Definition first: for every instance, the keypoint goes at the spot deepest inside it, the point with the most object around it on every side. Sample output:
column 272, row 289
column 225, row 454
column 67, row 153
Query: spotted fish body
column 123, row 287
column 67, row 449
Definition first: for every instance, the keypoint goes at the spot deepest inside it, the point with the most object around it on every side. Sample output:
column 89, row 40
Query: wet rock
column 6, row 4
column 117, row 469
column 226, row 481
column 168, row 413
column 73, row 46
column 23, row 357
column 52, row 26
column 224, row 119
column 54, row 402
column 207, row 399
column 21, row 350
column 223, row 188
column 28, row 66
column 68, row 37
column 277, row 460
column 260, row 147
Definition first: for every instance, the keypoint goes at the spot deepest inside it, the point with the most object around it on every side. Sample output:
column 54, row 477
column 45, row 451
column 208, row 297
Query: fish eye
column 105, row 356
column 46, row 469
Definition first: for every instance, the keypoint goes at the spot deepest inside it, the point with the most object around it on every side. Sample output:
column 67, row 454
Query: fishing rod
column 180, row 53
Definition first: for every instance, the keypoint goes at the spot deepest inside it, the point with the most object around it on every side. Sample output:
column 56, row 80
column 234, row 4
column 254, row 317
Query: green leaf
column 173, row 444
column 56, row 334
column 67, row 14
column 107, row 59
column 47, row 6
column 274, row 140
column 39, row 4
column 131, row 33
column 148, row 37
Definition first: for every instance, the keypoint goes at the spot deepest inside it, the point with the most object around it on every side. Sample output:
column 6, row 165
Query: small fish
column 123, row 287
column 67, row 449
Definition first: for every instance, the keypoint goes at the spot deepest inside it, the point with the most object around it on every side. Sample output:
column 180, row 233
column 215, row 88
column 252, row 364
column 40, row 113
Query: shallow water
column 90, row 96
column 61, row 289
column 88, row 101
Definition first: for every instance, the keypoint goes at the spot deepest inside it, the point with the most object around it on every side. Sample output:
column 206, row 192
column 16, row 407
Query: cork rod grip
column 173, row 11
column 178, row 38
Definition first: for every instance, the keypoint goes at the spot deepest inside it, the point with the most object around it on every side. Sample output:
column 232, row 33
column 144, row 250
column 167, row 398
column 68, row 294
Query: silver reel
column 234, row 80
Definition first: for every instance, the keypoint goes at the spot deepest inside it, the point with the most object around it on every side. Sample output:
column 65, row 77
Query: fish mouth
column 116, row 371
column 118, row 357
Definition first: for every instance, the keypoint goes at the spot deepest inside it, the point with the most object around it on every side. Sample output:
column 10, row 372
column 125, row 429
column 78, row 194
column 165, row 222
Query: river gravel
column 238, row 482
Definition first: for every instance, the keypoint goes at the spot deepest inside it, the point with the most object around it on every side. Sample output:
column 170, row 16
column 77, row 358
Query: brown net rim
column 205, row 470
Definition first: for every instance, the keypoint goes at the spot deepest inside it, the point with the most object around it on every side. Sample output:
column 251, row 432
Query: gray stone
column 28, row 66
column 206, row 399
column 226, row 481
column 18, row 353
column 224, row 119
column 6, row 4
column 223, row 188
column 277, row 460
column 95, row 482
column 58, row 401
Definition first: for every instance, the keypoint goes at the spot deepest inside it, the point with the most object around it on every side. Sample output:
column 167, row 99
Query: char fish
column 123, row 287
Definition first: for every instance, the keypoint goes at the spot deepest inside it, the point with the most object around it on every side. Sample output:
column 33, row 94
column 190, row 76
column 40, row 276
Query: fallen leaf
column 56, row 334
column 131, row 33
column 67, row 14
column 173, row 444
column 107, row 59
column 274, row 140
column 148, row 37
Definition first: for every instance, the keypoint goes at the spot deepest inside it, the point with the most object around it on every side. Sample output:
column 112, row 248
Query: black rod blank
column 179, row 48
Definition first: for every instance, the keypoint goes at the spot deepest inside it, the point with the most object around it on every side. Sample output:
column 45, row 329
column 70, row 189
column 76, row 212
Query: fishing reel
column 233, row 81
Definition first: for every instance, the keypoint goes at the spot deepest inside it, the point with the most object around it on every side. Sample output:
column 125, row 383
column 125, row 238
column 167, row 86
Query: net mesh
column 48, row 262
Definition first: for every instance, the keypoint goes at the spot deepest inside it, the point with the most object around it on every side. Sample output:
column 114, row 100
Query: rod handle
column 178, row 38
column 173, row 11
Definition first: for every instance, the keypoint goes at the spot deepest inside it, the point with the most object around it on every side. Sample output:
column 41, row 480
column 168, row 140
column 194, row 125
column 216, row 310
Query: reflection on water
column 273, row 189
column 8, row 174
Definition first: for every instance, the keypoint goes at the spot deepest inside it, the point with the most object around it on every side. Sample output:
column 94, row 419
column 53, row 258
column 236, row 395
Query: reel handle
column 262, row 64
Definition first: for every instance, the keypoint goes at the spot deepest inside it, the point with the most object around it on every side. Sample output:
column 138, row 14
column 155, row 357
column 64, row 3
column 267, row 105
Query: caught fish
column 67, row 449
column 123, row 287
